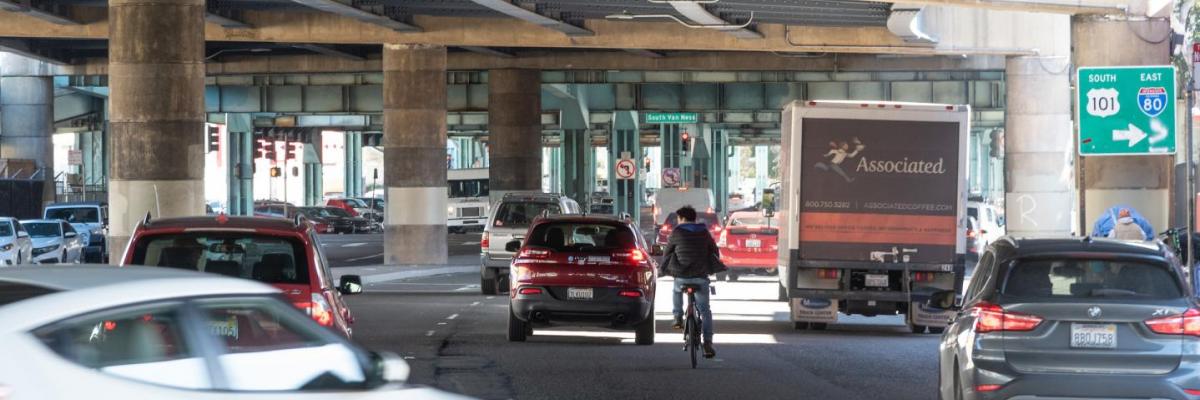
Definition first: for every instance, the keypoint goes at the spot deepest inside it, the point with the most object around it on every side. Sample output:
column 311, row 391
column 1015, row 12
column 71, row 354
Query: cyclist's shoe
column 708, row 351
column 678, row 324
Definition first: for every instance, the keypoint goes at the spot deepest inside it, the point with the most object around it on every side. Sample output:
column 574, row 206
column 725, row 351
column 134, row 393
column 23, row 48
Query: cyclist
column 691, row 256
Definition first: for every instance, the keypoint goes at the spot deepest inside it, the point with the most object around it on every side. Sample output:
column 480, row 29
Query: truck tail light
column 993, row 318
column 318, row 308
column 486, row 241
column 828, row 273
column 1187, row 323
column 922, row 277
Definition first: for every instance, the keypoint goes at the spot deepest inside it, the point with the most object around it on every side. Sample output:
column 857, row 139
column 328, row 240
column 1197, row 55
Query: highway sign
column 672, row 118
column 626, row 169
column 1126, row 110
column 671, row 177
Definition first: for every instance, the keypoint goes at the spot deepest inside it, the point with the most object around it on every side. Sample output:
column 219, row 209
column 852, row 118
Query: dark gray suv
column 1072, row 319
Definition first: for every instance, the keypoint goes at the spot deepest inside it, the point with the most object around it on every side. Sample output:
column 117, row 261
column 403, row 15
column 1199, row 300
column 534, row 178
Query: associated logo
column 815, row 303
column 1152, row 100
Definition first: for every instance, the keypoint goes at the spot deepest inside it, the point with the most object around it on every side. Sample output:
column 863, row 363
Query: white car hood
column 46, row 241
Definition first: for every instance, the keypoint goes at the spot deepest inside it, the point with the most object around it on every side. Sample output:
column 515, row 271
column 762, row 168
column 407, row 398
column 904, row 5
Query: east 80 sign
column 1126, row 110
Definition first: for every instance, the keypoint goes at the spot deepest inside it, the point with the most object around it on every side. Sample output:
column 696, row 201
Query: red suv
column 749, row 244
column 587, row 270
column 280, row 252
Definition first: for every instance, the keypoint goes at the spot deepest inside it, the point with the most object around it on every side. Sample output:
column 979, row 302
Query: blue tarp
column 1104, row 224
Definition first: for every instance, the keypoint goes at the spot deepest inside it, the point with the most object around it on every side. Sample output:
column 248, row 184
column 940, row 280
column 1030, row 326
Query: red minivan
column 749, row 244
column 280, row 252
column 582, row 270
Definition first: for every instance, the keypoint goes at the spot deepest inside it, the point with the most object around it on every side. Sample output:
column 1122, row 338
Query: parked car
column 355, row 207
column 340, row 220
column 703, row 217
column 510, row 220
column 1072, row 318
column 990, row 219
column 749, row 244
column 16, row 247
column 283, row 253
column 271, row 208
column 591, row 270
column 90, row 332
column 975, row 245
column 54, row 242
column 90, row 220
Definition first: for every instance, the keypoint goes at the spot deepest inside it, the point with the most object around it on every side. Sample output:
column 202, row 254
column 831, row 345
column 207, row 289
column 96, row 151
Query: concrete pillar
column 240, row 158
column 1142, row 182
column 578, row 165
column 354, row 164
column 156, row 77
column 1039, row 148
column 414, row 153
column 718, row 172
column 515, row 129
column 25, row 133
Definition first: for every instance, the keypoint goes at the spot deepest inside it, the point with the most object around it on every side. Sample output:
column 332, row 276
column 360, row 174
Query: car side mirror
column 389, row 367
column 657, row 250
column 942, row 300
column 350, row 284
column 69, row 235
column 512, row 246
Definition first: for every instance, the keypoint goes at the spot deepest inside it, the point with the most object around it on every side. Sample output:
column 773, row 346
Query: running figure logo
column 838, row 153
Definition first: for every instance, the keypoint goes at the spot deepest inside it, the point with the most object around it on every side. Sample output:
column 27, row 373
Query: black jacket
column 691, row 253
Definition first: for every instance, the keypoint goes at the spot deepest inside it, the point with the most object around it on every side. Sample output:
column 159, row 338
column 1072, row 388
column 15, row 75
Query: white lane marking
column 470, row 243
column 429, row 333
column 356, row 244
column 466, row 288
column 474, row 304
column 364, row 258
column 441, row 323
column 452, row 316
column 490, row 297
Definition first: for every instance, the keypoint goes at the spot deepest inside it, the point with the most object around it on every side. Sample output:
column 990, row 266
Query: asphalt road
column 454, row 339
column 367, row 249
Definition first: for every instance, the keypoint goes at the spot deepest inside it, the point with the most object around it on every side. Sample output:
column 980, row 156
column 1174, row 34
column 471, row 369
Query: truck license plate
column 1094, row 336
column 877, row 280
column 579, row 293
column 753, row 243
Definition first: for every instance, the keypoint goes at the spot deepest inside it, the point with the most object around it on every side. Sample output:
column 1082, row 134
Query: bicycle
column 692, row 324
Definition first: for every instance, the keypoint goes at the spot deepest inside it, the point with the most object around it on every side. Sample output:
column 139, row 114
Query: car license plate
column 1094, row 336
column 753, row 243
column 579, row 293
column 877, row 280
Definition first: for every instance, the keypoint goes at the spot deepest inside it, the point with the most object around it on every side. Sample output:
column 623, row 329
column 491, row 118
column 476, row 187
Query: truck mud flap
column 814, row 310
column 920, row 314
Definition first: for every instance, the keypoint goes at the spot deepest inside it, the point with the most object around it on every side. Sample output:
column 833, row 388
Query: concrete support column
column 1142, row 182
column 515, row 128
column 578, row 166
column 156, row 77
column 25, row 133
column 353, row 170
column 718, row 172
column 1039, row 148
column 414, row 153
column 240, row 158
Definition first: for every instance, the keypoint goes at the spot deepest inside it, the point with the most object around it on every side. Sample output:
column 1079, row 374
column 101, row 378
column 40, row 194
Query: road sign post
column 1126, row 110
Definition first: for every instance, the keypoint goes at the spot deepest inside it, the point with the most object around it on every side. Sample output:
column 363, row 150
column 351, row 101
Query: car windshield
column 262, row 258
column 1082, row 278
column 520, row 214
column 468, row 188
column 582, row 237
column 6, row 229
column 90, row 215
column 42, row 229
column 336, row 212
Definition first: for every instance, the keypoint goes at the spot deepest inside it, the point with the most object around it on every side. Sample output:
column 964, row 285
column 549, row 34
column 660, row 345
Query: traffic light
column 214, row 139
column 264, row 149
column 996, row 145
column 276, row 172
column 685, row 142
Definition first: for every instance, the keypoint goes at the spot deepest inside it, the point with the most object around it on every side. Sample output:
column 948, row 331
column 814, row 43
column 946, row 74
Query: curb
column 402, row 274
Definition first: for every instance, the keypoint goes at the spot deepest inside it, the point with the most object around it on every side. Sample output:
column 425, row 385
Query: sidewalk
column 386, row 273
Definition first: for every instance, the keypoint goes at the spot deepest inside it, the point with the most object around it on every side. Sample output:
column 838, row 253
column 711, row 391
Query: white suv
column 509, row 220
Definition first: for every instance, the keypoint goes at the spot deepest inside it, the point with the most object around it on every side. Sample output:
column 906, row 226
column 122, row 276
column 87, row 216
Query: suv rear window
column 582, row 237
column 1079, row 278
column 520, row 214
column 267, row 259
column 89, row 215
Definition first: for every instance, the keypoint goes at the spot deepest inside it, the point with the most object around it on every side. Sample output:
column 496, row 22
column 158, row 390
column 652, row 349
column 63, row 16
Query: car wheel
column 917, row 328
column 819, row 326
column 937, row 330
column 517, row 329
column 800, row 325
column 501, row 284
column 645, row 330
column 487, row 285
column 722, row 276
column 958, row 391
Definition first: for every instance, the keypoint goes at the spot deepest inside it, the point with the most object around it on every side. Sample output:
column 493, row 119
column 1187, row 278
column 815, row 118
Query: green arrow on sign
column 1126, row 110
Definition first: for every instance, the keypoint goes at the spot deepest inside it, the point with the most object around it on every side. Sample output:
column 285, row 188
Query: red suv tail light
column 530, row 291
column 318, row 309
column 1187, row 323
column 993, row 318
column 633, row 257
column 630, row 293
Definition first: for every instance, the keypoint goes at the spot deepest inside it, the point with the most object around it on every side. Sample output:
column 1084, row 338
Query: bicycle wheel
column 693, row 334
